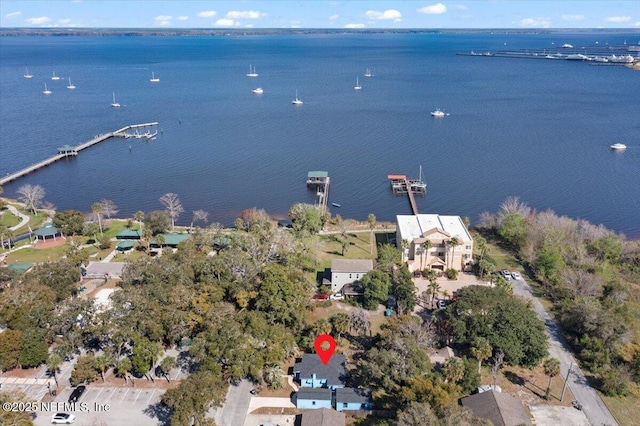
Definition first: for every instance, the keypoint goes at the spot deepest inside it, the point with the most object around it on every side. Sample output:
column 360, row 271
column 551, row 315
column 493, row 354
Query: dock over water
column 320, row 180
column 400, row 184
column 70, row 151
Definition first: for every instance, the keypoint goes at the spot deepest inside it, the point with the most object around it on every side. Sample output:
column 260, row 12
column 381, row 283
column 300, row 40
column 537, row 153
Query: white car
column 516, row 276
column 337, row 296
column 62, row 418
column 442, row 304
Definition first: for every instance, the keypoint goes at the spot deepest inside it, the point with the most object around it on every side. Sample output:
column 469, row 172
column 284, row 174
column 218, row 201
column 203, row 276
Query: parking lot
column 110, row 406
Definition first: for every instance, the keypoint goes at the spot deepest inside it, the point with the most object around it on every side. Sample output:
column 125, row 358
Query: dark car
column 321, row 296
column 77, row 393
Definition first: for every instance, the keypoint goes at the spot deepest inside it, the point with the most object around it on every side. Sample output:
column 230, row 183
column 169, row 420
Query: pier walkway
column 70, row 151
column 400, row 184
column 319, row 180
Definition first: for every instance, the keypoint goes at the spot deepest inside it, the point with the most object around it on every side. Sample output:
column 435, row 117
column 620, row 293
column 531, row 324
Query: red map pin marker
column 321, row 343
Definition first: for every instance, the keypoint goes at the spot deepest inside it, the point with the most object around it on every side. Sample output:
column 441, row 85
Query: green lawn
column 624, row 409
column 31, row 255
column 330, row 248
column 8, row 219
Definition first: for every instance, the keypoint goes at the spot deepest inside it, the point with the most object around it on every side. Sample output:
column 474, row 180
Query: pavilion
column 47, row 232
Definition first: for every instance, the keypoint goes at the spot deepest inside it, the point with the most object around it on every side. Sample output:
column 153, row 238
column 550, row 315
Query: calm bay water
column 538, row 129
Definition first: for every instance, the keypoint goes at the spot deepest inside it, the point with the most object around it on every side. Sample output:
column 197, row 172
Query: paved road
column 592, row 405
column 236, row 405
column 24, row 219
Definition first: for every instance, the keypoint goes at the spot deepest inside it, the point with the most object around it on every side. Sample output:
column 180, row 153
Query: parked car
column 321, row 296
column 516, row 276
column 506, row 274
column 62, row 418
column 337, row 296
column 77, row 393
column 441, row 304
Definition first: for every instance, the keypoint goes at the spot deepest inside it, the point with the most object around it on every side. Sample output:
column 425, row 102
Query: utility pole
column 564, row 387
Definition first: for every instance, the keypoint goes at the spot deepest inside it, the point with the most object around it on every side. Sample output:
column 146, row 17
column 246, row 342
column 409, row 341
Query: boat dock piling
column 67, row 151
column 400, row 184
column 319, row 181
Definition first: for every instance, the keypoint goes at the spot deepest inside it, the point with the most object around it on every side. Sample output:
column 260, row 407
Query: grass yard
column 31, row 255
column 8, row 219
column 330, row 247
column 626, row 410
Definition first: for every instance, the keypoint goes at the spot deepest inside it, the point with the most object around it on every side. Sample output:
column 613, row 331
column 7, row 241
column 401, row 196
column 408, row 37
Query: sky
column 320, row 14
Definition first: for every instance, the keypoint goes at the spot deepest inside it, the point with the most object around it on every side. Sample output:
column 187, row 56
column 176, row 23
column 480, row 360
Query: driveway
column 235, row 407
column 592, row 405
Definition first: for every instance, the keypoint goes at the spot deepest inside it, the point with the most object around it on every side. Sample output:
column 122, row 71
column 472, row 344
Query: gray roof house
column 500, row 408
column 312, row 373
column 352, row 399
column 310, row 398
column 348, row 271
column 323, row 417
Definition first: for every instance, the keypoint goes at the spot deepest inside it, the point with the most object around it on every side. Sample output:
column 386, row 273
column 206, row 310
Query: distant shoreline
column 168, row 32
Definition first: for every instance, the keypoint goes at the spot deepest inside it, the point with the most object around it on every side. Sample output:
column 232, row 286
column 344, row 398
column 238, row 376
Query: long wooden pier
column 70, row 151
column 400, row 184
column 319, row 180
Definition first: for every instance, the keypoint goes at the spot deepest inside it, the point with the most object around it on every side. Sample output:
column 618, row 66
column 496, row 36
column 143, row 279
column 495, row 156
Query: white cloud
column 182, row 18
column 637, row 24
column 572, row 17
column 333, row 17
column 618, row 19
column 38, row 21
column 13, row 14
column 243, row 14
column 434, row 9
column 387, row 15
column 207, row 14
column 535, row 23
column 226, row 23
column 64, row 21
column 354, row 26
column 459, row 7
column 163, row 20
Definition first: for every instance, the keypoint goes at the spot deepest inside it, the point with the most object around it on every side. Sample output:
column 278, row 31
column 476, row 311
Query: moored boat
column 618, row 146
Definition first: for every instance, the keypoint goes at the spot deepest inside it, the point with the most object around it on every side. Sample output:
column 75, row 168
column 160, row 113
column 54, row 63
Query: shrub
column 451, row 274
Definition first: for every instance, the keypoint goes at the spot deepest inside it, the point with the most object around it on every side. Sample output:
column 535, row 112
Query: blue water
column 538, row 129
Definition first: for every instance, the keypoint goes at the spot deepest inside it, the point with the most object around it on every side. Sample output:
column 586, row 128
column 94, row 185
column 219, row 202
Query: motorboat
column 577, row 57
column 336, row 205
column 618, row 146
column 437, row 113
column 258, row 91
column 567, row 46
column 624, row 59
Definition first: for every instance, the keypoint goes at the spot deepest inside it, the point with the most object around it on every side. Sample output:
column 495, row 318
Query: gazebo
column 47, row 232
column 124, row 246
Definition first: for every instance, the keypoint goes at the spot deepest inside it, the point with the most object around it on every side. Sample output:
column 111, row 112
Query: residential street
column 236, row 405
column 592, row 405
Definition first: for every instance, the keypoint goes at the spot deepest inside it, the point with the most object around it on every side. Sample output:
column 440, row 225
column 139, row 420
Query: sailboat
column 153, row 78
column 296, row 101
column 420, row 185
column 115, row 104
column 26, row 73
column 368, row 73
column 55, row 77
column 70, row 86
column 357, row 86
column 46, row 91
column 252, row 72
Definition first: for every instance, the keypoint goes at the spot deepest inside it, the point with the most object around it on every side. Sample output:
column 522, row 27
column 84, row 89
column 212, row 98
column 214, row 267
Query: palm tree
column 273, row 376
column 481, row 350
column 405, row 245
column 453, row 242
column 322, row 326
column 53, row 364
column 453, row 369
column 123, row 367
column 139, row 217
column 433, row 289
column 166, row 365
column 96, row 208
column 102, row 364
column 551, row 368
column 426, row 246
column 340, row 323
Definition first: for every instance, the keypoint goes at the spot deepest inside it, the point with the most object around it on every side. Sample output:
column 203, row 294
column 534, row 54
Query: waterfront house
column 501, row 409
column 348, row 271
column 128, row 234
column 352, row 399
column 170, row 240
column 427, row 242
column 322, row 417
column 312, row 373
column 312, row 398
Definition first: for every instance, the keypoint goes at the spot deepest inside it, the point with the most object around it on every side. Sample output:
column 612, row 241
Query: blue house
column 312, row 373
column 310, row 398
column 352, row 399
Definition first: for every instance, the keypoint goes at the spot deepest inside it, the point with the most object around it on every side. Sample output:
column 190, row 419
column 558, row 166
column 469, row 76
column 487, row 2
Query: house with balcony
column 312, row 373
column 432, row 241
column 348, row 272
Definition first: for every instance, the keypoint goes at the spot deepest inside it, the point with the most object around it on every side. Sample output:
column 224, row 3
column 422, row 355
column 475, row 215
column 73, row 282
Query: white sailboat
column 296, row 101
column 26, row 73
column 252, row 72
column 421, row 185
column 368, row 73
column 55, row 77
column 115, row 104
column 357, row 86
column 153, row 78
column 70, row 86
column 46, row 91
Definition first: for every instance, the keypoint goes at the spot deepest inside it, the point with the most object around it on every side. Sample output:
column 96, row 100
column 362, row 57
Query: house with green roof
column 128, row 234
column 170, row 240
